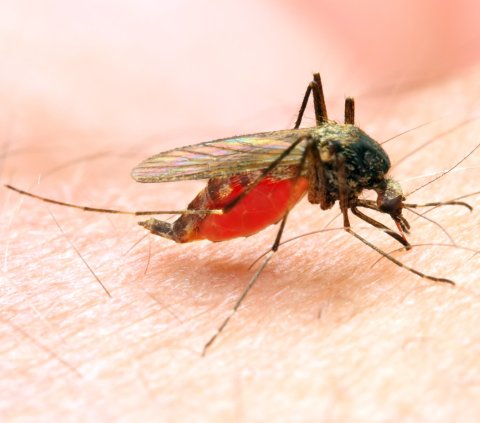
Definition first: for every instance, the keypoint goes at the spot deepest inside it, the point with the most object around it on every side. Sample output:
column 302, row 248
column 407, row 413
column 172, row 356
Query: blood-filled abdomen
column 264, row 205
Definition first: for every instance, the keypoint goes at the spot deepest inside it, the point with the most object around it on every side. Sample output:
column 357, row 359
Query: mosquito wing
column 221, row 158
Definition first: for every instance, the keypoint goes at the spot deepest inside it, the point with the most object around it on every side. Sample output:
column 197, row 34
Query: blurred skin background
column 111, row 68
column 124, row 80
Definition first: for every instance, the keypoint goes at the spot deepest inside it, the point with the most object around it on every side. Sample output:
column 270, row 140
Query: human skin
column 323, row 336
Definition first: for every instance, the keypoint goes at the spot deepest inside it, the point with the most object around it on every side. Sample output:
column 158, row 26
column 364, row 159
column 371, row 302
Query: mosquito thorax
column 366, row 162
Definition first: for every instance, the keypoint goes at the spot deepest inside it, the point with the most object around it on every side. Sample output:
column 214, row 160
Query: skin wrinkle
column 387, row 346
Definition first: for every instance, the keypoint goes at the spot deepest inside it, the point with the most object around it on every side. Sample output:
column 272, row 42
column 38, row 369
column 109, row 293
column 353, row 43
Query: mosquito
column 255, row 180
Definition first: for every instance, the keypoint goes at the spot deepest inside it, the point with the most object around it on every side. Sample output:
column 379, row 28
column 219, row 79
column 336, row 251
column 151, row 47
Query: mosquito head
column 390, row 197
column 390, row 200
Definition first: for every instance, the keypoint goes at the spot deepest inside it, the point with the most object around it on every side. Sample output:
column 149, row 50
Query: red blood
column 265, row 205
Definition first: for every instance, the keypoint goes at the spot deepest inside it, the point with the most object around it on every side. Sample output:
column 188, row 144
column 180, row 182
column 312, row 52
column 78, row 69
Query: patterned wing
column 222, row 158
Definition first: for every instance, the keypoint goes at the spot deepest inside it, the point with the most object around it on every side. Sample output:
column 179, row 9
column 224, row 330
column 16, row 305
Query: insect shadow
column 255, row 180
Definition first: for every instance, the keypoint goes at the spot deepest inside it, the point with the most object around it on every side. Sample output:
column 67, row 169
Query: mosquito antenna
column 436, row 137
column 435, row 223
column 439, row 204
column 460, row 247
column 445, row 172
column 409, row 130
column 332, row 220
column 429, row 175
column 293, row 239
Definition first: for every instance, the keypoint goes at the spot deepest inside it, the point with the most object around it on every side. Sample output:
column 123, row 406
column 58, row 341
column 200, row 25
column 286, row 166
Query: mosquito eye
column 390, row 197
column 390, row 205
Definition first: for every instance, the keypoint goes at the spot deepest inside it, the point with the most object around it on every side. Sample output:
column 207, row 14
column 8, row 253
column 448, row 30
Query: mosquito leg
column 315, row 87
column 319, row 117
column 270, row 254
column 369, row 204
column 266, row 171
column 343, row 199
column 342, row 192
column 398, row 263
column 250, row 285
column 184, row 229
column 381, row 226
column 303, row 107
column 317, row 179
column 343, row 196
column 319, row 100
column 301, row 166
column 99, row 210
column 238, row 303
column 350, row 111
column 372, row 205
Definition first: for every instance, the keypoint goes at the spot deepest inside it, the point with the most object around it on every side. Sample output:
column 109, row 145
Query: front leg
column 343, row 194
column 381, row 226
